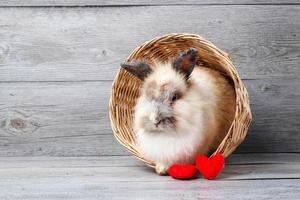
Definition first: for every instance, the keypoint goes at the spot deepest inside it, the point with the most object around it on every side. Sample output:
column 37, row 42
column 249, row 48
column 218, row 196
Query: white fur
column 194, row 114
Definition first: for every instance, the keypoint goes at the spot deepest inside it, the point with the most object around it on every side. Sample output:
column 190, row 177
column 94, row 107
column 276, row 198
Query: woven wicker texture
column 125, row 89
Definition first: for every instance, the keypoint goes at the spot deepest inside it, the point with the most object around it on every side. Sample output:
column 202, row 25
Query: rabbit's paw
column 161, row 169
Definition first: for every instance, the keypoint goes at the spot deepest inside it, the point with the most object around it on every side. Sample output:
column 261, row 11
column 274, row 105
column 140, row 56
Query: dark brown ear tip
column 192, row 51
column 137, row 68
column 124, row 65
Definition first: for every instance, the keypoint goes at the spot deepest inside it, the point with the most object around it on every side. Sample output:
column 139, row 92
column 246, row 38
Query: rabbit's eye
column 174, row 97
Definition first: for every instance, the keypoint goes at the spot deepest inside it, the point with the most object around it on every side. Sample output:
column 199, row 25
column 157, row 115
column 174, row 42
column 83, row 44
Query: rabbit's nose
column 155, row 118
column 157, row 123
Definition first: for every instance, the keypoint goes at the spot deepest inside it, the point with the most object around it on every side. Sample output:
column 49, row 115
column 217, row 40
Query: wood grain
column 88, row 44
column 57, row 63
column 89, row 188
column 143, row 173
column 142, row 2
column 121, row 177
column 71, row 118
column 130, row 161
column 56, row 67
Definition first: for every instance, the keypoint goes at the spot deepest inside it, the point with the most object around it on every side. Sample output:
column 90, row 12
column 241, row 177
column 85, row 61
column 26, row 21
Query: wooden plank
column 143, row 173
column 57, row 119
column 106, row 178
column 108, row 169
column 83, row 188
column 83, row 145
column 269, row 106
column 87, row 44
column 71, row 119
column 55, row 109
column 146, row 174
column 142, row 2
column 131, row 161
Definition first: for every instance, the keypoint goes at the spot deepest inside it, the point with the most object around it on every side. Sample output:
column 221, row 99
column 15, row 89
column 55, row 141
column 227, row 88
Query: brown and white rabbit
column 183, row 109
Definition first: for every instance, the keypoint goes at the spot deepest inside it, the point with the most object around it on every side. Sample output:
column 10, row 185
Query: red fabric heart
column 182, row 171
column 210, row 167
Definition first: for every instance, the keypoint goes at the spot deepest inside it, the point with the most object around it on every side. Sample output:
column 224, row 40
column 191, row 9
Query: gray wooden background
column 58, row 59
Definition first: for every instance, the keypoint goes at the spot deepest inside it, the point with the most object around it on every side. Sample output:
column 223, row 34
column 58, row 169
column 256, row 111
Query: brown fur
column 225, row 108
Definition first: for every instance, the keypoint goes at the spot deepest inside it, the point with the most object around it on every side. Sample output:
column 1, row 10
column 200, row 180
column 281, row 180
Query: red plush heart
column 182, row 171
column 210, row 167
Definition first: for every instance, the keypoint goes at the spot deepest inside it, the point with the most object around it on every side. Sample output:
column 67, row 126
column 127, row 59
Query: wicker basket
column 125, row 89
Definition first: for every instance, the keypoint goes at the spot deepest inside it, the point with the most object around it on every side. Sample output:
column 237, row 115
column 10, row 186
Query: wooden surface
column 57, row 62
column 25, row 3
column 88, row 44
column 16, row 3
column 57, row 66
column 122, row 177
column 71, row 119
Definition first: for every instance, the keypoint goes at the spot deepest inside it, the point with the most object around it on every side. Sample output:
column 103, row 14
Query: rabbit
column 183, row 109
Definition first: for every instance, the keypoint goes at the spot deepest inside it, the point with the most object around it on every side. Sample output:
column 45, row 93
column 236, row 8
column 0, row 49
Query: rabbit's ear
column 139, row 69
column 185, row 62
